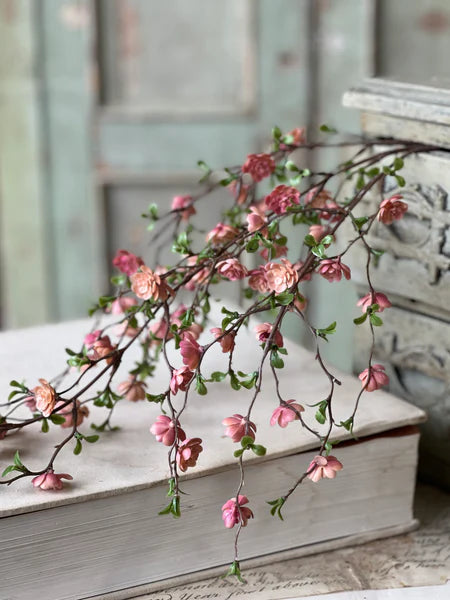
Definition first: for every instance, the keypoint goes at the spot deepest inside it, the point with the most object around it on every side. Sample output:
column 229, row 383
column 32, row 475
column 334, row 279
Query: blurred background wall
column 106, row 106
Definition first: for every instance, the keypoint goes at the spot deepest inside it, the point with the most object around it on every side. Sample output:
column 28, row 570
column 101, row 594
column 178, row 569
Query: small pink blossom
column 164, row 430
column 243, row 189
column 258, row 280
column 227, row 341
column 191, row 351
column 283, row 415
column 299, row 138
column 234, row 512
column 319, row 232
column 376, row 380
column 188, row 453
column 256, row 219
column 392, row 209
column 132, row 389
column 199, row 277
column 195, row 330
column 317, row 199
column 222, row 233
column 300, row 302
column 91, row 338
column 102, row 348
column 281, row 198
column 279, row 251
column 263, row 331
column 50, row 480
column 231, row 269
column 146, row 284
column 332, row 269
column 184, row 204
column 377, row 298
column 180, row 379
column 280, row 277
column 67, row 413
column 45, row 397
column 259, row 166
column 127, row 262
column 120, row 305
column 236, row 427
column 323, row 466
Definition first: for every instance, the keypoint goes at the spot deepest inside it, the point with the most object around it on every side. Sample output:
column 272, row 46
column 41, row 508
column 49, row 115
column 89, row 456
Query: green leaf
column 235, row 571
column 119, row 279
column 320, row 417
column 91, row 439
column 275, row 360
column 359, row 222
column 309, row 240
column 398, row 163
column 259, row 450
column 291, row 166
column 218, row 376
column 78, row 447
column 105, row 300
column 327, row 129
column 15, row 383
column 285, row 298
column 238, row 453
column 400, row 180
column 276, row 133
column 234, row 381
column 57, row 419
column 373, row 172
column 247, row 441
column 376, row 320
column 252, row 245
column 9, row 469
column 44, row 426
column 17, row 460
column 158, row 398
column 360, row 319
column 319, row 250
column 276, row 507
column 348, row 424
column 200, row 386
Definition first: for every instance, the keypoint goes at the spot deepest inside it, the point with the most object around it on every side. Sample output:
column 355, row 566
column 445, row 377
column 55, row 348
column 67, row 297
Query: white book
column 101, row 536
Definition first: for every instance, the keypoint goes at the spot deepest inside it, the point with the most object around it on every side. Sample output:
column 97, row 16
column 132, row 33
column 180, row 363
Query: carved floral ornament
column 166, row 307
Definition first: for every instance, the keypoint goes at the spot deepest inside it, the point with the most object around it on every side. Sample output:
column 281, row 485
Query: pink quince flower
column 222, row 233
column 377, row 298
column 146, row 284
column 317, row 199
column 50, row 480
column 199, row 277
column 231, row 269
column 120, row 305
column 258, row 280
column 132, row 389
column 256, row 219
column 259, row 166
column 227, row 341
column 191, row 351
column 323, row 466
column 281, row 198
column 188, row 453
column 375, row 380
column 195, row 330
column 236, row 427
column 299, row 138
column 332, row 269
column 180, row 379
column 164, row 431
column 283, row 415
column 67, row 413
column 263, row 331
column 127, row 262
column 392, row 209
column 45, row 397
column 102, row 348
column 280, row 277
column 184, row 205
column 91, row 338
column 235, row 512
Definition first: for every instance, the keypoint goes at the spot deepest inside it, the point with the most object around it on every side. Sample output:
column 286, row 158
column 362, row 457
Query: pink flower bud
column 188, row 452
column 191, row 351
column 180, row 379
column 392, row 209
column 236, row 427
column 184, row 204
column 375, row 380
column 332, row 269
column 263, row 331
column 45, row 397
column 281, row 198
column 50, row 480
column 127, row 262
column 164, row 430
column 234, row 512
column 102, row 348
column 299, row 138
column 227, row 341
column 283, row 415
column 259, row 166
column 319, row 232
column 231, row 269
column 91, row 338
column 323, row 466
column 67, row 413
column 377, row 298
column 317, row 199
column 132, row 389
column 256, row 219
column 222, row 233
